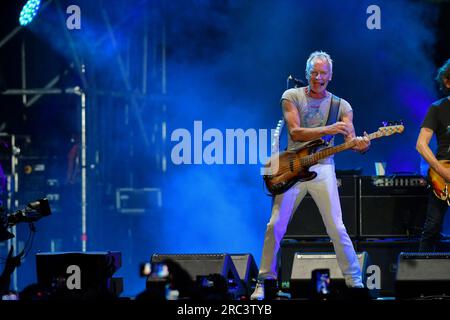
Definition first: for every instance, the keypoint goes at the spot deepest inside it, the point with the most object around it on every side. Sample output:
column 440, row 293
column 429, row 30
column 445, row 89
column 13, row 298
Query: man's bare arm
column 422, row 146
column 298, row 133
column 362, row 143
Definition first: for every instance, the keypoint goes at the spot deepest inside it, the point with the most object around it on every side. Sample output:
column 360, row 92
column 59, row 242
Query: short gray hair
column 320, row 55
column 444, row 73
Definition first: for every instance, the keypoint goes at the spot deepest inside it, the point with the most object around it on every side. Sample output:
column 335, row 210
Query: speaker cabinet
column 207, row 264
column 392, row 206
column 83, row 275
column 423, row 275
column 307, row 221
column 305, row 263
column 288, row 249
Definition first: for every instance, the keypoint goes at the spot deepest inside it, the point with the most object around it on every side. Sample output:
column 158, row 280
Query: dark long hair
column 444, row 73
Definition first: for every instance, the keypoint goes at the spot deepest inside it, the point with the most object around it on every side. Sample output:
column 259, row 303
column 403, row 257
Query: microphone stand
column 297, row 82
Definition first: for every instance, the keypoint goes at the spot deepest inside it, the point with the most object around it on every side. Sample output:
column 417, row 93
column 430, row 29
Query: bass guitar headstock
column 391, row 127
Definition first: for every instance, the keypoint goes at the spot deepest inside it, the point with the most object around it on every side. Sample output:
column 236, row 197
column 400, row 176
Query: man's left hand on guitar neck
column 362, row 143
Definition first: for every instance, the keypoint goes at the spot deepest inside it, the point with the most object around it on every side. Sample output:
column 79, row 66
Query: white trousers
column 323, row 189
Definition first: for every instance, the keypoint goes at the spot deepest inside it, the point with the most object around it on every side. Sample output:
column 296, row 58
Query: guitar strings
column 310, row 159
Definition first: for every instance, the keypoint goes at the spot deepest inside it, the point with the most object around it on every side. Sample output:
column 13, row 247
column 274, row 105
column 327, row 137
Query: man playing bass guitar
column 305, row 111
column 437, row 121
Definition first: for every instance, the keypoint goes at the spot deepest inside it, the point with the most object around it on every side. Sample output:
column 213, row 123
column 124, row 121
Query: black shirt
column 438, row 120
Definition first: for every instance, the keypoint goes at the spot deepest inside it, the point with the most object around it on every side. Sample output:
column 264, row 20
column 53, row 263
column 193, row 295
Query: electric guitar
column 440, row 186
column 284, row 169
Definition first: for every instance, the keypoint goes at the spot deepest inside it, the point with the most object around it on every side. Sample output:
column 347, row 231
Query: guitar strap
column 332, row 115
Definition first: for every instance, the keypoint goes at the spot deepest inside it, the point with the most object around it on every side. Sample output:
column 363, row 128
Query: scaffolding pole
column 77, row 91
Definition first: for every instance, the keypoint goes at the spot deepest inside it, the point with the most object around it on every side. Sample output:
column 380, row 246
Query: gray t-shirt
column 313, row 112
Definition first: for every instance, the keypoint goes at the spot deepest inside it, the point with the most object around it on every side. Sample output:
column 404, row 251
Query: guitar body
column 441, row 188
column 283, row 170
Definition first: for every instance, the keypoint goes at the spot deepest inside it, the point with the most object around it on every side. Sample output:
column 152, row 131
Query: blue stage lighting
column 29, row 11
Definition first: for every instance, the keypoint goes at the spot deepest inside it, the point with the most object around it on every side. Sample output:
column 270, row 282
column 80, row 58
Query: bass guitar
column 286, row 168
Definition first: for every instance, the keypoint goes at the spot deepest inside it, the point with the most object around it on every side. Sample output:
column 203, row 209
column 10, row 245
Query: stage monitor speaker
column 205, row 265
column 247, row 269
column 423, row 276
column 393, row 206
column 79, row 275
column 307, row 222
column 289, row 248
column 305, row 263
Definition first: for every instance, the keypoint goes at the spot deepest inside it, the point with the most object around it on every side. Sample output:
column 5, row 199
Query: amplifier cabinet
column 307, row 222
column 392, row 206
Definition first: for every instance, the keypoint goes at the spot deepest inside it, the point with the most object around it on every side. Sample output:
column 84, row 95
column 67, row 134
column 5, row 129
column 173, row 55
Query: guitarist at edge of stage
column 437, row 121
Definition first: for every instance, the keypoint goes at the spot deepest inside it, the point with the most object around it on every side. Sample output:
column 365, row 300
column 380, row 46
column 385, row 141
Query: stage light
column 29, row 11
